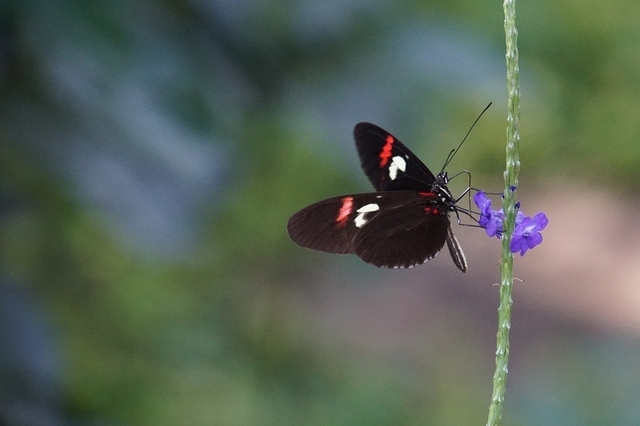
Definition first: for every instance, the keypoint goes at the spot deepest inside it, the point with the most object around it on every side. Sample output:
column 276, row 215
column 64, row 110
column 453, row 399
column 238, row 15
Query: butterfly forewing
column 389, row 165
column 397, row 229
column 329, row 225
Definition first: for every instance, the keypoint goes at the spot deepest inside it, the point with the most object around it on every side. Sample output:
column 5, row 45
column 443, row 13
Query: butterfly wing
column 389, row 165
column 398, row 229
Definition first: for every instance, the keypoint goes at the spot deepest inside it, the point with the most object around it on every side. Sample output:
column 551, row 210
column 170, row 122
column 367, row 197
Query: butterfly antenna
column 453, row 152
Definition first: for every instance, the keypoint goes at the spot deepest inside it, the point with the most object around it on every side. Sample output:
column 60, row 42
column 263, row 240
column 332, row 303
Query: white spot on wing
column 362, row 211
column 397, row 163
column 371, row 207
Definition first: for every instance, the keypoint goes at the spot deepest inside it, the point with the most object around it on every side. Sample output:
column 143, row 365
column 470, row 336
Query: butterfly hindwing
column 389, row 165
column 404, row 237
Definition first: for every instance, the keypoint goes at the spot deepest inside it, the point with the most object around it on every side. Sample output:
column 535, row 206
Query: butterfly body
column 404, row 224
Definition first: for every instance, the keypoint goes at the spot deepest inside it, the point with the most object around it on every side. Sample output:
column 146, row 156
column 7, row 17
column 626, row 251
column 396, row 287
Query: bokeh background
column 151, row 153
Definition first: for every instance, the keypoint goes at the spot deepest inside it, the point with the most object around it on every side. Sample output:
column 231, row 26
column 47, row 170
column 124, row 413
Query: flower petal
column 541, row 221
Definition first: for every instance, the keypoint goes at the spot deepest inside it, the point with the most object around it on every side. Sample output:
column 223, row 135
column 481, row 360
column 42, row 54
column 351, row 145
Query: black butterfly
column 403, row 225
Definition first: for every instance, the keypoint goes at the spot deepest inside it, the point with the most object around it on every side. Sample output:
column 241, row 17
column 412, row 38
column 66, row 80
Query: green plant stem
column 508, row 204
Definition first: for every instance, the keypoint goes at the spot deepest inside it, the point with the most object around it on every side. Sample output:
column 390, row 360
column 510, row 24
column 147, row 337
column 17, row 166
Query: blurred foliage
column 151, row 153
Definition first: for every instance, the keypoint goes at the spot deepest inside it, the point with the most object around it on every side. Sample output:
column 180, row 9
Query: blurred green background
column 151, row 153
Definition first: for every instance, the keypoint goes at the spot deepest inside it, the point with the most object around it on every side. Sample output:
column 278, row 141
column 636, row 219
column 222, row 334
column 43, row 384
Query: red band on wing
column 345, row 210
column 386, row 151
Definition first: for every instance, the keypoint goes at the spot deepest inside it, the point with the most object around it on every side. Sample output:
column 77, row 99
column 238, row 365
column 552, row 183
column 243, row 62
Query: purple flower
column 527, row 235
column 490, row 220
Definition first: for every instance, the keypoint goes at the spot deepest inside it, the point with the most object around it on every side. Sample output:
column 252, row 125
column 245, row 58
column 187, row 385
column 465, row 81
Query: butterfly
column 404, row 224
